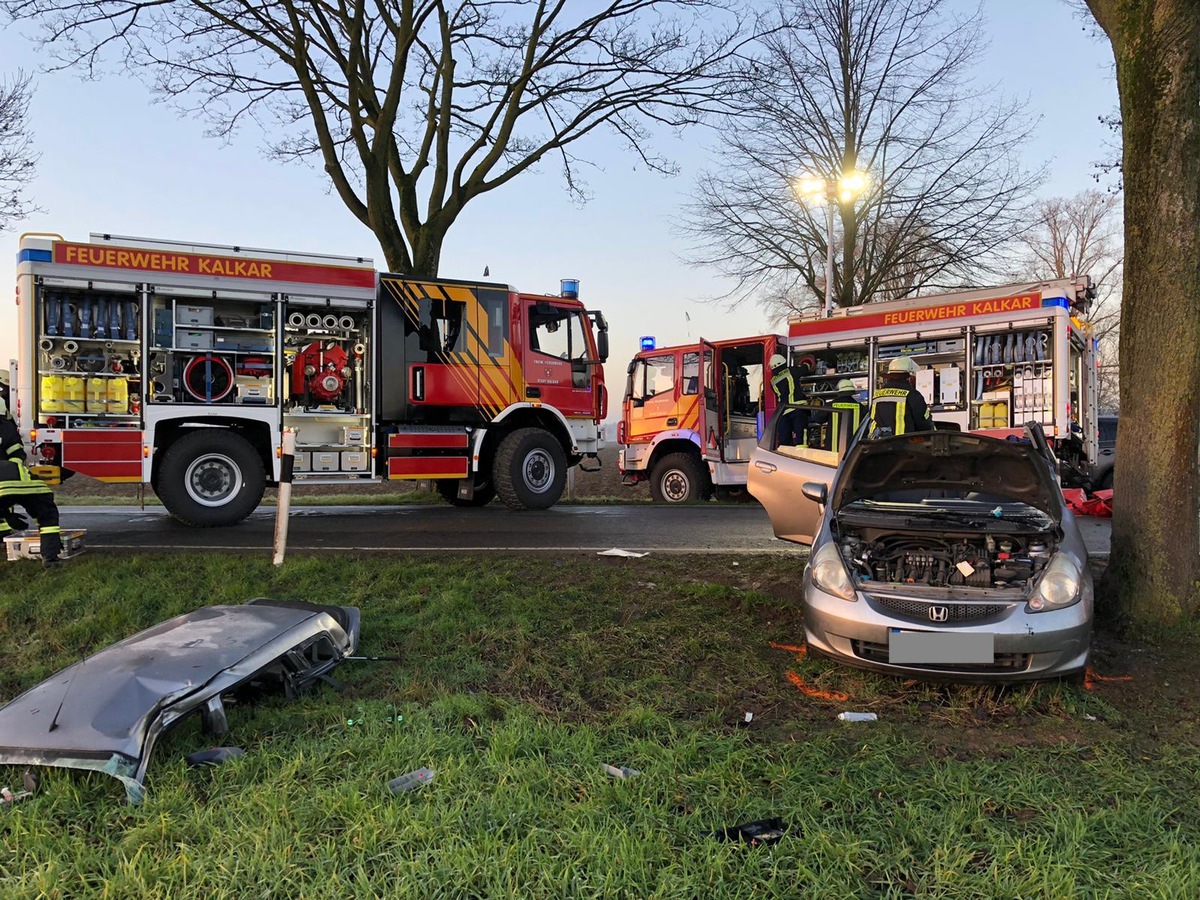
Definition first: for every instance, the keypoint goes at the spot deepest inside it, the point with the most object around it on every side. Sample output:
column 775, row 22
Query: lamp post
column 845, row 189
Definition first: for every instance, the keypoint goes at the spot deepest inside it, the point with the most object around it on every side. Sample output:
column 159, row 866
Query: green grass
column 520, row 676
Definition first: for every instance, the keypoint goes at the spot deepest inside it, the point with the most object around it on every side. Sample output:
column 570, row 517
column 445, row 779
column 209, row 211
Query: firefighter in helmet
column 847, row 401
column 19, row 488
column 898, row 407
column 785, row 382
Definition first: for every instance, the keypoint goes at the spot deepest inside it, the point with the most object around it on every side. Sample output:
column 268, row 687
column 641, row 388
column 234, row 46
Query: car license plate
column 940, row 648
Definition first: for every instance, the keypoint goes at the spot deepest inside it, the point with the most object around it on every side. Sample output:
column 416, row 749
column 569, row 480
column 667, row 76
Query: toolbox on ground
column 28, row 544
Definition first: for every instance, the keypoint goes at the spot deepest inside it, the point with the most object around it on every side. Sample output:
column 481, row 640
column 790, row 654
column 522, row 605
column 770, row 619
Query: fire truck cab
column 692, row 415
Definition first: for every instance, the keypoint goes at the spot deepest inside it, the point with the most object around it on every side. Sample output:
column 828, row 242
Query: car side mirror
column 814, row 491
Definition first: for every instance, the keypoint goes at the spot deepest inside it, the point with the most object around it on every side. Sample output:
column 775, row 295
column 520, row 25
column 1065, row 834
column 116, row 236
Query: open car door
column 712, row 423
column 779, row 471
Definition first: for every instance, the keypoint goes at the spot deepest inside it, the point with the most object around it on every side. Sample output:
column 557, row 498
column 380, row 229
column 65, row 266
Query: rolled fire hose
column 346, row 322
column 330, row 322
column 360, row 349
column 46, row 344
column 70, row 347
column 313, row 320
column 58, row 362
column 296, row 320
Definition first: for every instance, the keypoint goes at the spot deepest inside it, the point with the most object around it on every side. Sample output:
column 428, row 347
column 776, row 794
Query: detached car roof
column 950, row 460
column 105, row 712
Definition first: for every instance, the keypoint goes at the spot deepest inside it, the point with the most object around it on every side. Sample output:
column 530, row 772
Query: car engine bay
column 946, row 559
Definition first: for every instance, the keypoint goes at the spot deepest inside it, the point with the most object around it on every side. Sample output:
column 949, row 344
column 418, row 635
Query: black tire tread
column 686, row 462
column 174, row 496
column 503, row 470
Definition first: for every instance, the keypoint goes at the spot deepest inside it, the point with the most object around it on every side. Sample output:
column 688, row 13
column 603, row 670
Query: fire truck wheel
column 678, row 478
column 530, row 469
column 485, row 492
column 211, row 477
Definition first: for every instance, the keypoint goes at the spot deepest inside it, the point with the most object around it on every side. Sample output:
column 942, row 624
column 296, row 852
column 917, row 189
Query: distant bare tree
column 17, row 157
column 882, row 86
column 413, row 108
column 1083, row 235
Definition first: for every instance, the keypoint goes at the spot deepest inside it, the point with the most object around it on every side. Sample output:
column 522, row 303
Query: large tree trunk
column 1154, row 567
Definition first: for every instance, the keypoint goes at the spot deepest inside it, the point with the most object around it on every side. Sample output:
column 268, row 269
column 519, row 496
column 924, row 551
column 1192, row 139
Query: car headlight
column 829, row 572
column 1059, row 586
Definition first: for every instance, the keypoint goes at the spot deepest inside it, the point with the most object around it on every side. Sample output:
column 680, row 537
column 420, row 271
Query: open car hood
column 105, row 712
column 952, row 461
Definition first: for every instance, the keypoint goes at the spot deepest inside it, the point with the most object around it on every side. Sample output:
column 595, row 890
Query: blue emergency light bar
column 647, row 343
column 570, row 288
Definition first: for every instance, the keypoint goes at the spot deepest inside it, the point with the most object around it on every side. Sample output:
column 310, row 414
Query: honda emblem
column 939, row 613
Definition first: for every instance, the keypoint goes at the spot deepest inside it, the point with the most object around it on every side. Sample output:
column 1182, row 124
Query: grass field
column 521, row 676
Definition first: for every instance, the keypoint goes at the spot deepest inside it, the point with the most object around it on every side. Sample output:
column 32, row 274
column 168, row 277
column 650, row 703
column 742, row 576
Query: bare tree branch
column 878, row 85
column 414, row 108
column 18, row 160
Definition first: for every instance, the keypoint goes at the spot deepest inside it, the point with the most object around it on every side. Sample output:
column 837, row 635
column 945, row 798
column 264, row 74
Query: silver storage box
column 352, row 435
column 303, row 461
column 193, row 340
column 194, row 315
column 355, row 461
column 325, row 460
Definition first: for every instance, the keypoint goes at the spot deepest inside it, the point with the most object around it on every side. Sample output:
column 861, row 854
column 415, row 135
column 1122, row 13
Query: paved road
column 712, row 528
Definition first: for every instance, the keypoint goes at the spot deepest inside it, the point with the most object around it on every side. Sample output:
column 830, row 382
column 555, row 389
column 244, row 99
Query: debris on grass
column 213, row 756
column 763, row 831
column 411, row 780
column 619, row 771
column 616, row 551
column 857, row 717
column 810, row 691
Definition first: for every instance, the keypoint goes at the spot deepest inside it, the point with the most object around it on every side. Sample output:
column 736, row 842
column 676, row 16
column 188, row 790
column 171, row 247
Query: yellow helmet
column 903, row 365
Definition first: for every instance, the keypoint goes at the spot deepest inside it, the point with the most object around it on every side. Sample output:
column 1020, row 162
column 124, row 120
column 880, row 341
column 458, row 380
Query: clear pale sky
column 113, row 161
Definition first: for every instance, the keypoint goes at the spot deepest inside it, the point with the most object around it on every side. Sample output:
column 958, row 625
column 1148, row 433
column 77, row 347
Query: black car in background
column 1102, row 474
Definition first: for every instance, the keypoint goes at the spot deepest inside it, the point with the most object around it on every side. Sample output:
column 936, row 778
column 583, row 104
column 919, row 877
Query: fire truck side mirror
column 602, row 345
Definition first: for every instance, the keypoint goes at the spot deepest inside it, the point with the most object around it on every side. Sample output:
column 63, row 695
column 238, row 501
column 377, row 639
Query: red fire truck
column 179, row 365
column 988, row 360
column 693, row 414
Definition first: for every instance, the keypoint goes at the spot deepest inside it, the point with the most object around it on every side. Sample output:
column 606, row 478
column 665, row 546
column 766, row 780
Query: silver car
column 939, row 555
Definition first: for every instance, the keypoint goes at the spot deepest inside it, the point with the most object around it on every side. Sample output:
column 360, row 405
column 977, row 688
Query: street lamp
column 843, row 189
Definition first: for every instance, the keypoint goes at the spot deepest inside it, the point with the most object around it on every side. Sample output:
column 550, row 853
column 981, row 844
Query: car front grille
column 1004, row 662
column 918, row 610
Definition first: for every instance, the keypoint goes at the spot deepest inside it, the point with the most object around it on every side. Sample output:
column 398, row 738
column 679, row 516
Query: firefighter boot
column 51, row 541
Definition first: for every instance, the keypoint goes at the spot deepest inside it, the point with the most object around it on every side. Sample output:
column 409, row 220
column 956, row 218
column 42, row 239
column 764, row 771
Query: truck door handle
column 418, row 383
column 765, row 467
column 673, row 421
column 533, row 392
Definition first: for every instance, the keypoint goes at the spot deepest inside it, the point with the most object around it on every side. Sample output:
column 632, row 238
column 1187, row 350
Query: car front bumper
column 1028, row 646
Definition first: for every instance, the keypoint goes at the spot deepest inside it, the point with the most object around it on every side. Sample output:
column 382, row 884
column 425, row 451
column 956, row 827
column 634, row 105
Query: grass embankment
column 522, row 676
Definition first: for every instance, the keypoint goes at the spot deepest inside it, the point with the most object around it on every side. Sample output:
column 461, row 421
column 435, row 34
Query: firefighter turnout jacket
column 898, row 408
column 19, row 488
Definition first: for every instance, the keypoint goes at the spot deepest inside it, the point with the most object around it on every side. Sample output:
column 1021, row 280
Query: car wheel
column 211, row 477
column 485, row 492
column 678, row 478
column 530, row 470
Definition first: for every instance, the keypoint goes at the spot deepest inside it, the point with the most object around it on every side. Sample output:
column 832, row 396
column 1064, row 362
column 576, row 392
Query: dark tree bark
column 1154, row 568
column 414, row 108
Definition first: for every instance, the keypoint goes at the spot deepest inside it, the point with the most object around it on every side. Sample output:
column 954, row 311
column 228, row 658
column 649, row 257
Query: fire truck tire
column 485, row 492
column 678, row 478
column 530, row 470
column 211, row 477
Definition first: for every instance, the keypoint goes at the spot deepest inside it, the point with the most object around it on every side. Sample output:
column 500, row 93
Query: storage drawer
column 325, row 460
column 194, row 315
column 193, row 340
column 355, row 461
column 303, row 461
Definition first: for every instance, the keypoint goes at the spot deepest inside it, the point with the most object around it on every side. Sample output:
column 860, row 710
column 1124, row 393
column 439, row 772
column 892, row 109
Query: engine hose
column 58, row 362
column 360, row 349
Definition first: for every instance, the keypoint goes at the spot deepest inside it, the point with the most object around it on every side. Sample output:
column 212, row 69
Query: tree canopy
column 882, row 86
column 413, row 108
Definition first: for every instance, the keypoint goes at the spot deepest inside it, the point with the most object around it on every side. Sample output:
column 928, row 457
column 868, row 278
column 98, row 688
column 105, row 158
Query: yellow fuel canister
column 73, row 395
column 52, row 394
column 986, row 413
column 1000, row 415
column 97, row 395
column 118, row 397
